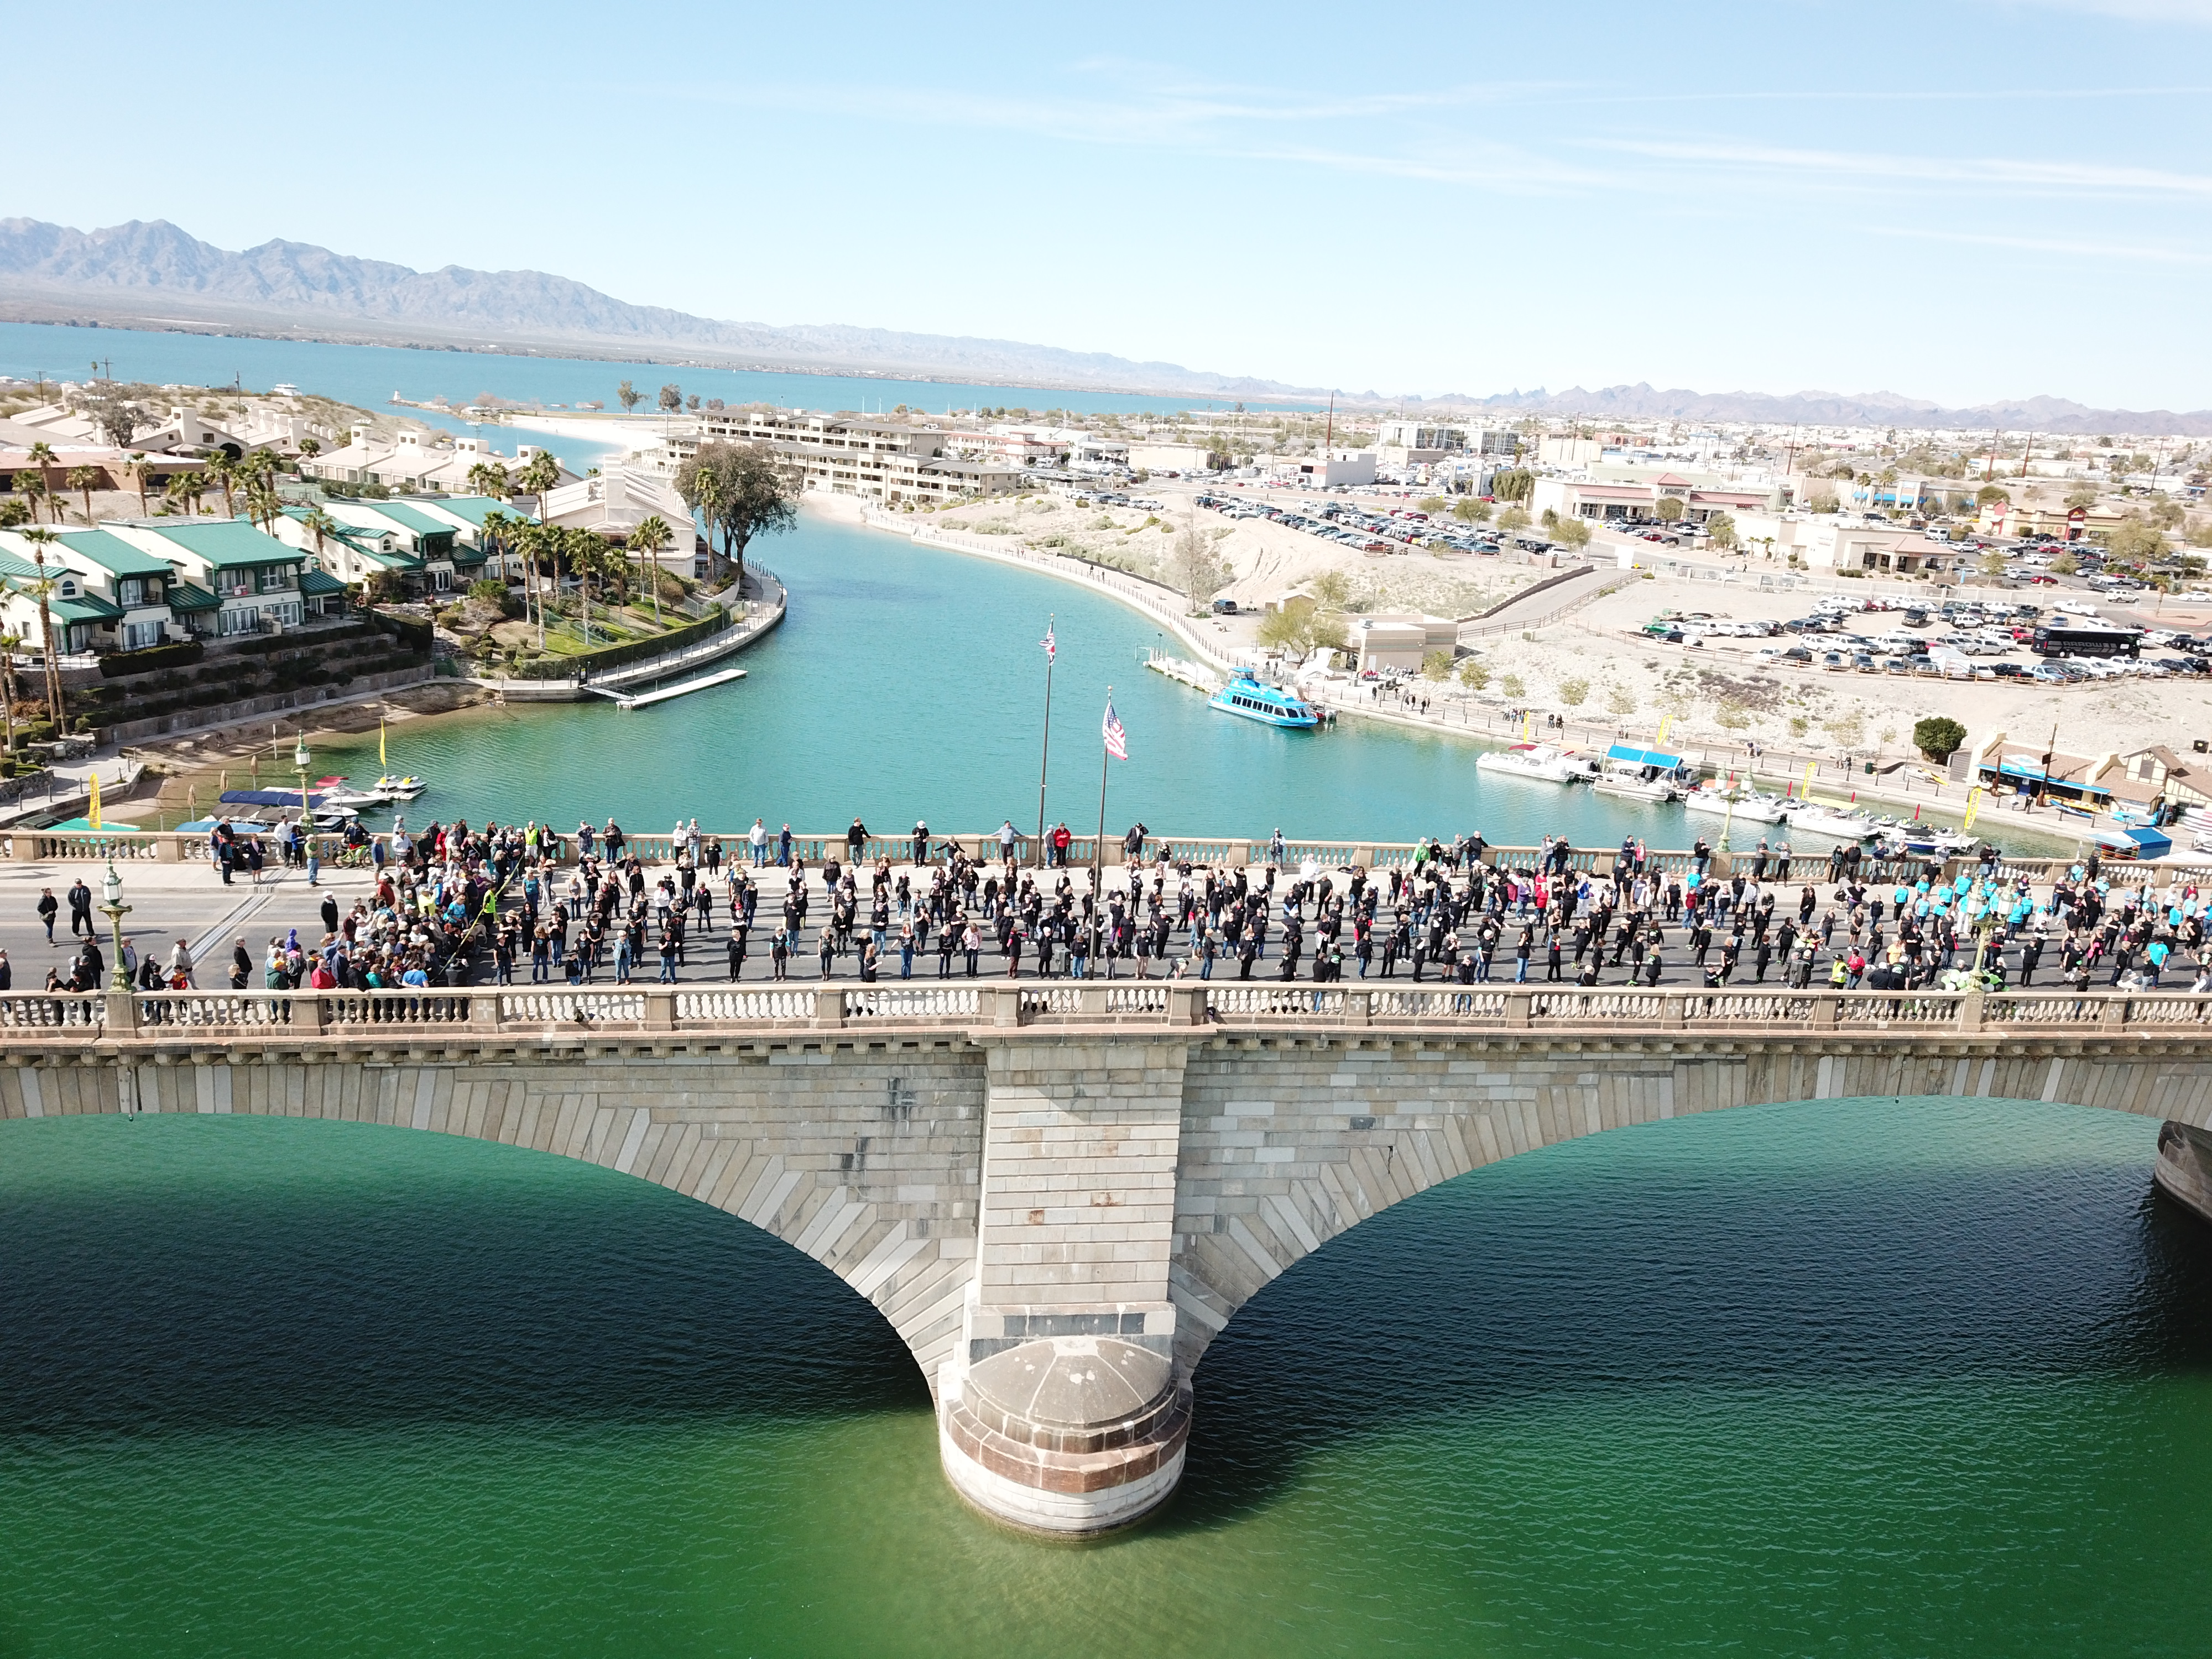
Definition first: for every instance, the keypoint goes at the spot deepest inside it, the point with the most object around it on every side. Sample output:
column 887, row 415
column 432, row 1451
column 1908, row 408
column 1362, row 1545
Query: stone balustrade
column 953, row 1007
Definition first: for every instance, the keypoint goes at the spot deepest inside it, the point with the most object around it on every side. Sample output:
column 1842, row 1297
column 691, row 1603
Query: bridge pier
column 1061, row 1408
column 2184, row 1168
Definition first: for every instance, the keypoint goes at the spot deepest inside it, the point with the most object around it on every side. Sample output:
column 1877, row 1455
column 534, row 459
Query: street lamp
column 300, row 759
column 110, row 889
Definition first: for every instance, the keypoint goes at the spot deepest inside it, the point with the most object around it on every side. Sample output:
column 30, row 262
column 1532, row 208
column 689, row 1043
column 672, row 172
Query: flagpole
column 1099, row 847
column 1044, row 761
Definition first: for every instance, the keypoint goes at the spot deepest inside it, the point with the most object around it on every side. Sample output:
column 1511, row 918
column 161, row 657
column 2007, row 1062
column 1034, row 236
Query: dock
column 643, row 699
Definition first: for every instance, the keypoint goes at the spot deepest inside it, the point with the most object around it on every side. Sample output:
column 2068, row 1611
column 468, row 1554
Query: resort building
column 235, row 578
column 426, row 546
column 854, row 455
column 105, row 595
column 623, row 497
column 414, row 462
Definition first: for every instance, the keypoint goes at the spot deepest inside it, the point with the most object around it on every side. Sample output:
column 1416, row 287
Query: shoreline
column 853, row 510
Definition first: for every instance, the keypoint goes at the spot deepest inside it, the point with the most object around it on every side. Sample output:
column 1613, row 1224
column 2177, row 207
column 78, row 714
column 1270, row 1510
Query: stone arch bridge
column 1059, row 1194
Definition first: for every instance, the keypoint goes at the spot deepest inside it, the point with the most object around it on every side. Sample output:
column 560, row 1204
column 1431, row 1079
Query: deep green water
column 1873, row 1377
column 907, row 682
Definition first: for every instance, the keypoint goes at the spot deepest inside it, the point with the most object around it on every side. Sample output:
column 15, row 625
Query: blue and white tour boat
column 1254, row 700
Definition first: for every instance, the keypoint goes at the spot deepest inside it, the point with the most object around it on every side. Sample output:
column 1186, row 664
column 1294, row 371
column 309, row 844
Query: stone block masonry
column 1058, row 1221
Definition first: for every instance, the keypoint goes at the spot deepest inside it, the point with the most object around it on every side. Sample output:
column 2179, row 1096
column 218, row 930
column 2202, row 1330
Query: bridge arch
column 851, row 1158
column 1277, row 1159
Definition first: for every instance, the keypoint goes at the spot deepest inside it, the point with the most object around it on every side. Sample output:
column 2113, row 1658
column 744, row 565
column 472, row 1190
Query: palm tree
column 141, row 469
column 649, row 538
column 10, row 642
column 43, row 589
column 82, row 479
column 539, row 478
column 42, row 457
column 223, row 470
column 263, row 506
column 319, row 524
column 534, row 539
column 489, row 478
column 33, row 489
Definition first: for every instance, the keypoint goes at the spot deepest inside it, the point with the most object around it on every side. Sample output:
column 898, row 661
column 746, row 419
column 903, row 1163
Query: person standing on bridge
column 758, row 836
column 855, row 839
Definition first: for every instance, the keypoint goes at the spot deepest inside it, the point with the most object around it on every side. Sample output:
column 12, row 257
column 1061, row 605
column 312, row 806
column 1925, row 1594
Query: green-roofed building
column 103, row 593
column 255, row 578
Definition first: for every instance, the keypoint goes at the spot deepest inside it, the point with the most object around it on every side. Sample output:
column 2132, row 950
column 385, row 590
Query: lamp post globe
column 299, row 761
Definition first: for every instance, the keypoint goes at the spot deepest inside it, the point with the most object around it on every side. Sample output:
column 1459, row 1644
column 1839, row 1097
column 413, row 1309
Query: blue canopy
column 1658, row 757
column 2142, row 843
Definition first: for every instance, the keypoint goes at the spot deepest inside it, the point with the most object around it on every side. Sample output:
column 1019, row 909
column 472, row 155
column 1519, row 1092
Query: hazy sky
column 1962, row 201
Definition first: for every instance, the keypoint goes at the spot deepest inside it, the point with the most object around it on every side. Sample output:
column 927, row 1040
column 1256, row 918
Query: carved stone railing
column 1188, row 1006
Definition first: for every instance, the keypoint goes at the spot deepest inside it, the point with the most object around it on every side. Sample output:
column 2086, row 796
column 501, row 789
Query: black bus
column 2082, row 641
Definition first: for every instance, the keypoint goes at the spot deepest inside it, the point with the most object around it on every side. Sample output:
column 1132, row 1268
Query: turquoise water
column 907, row 681
column 1917, row 1376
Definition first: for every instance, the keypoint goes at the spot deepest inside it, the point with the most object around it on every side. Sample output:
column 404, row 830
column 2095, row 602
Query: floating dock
column 642, row 699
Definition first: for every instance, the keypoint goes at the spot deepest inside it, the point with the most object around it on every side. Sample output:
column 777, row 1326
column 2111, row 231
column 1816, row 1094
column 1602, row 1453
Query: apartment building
column 854, row 455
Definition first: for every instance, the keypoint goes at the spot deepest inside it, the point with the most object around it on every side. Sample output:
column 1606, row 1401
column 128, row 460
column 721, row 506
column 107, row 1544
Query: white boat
column 1746, row 806
column 1637, row 782
column 1639, row 774
column 1833, row 821
column 1539, row 761
column 354, row 798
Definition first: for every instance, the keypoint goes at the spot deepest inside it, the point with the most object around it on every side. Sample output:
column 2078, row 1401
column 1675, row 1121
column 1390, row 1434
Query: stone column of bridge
column 1061, row 1408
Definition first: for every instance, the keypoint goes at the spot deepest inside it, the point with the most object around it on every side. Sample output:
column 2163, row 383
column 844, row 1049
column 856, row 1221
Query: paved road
column 172, row 900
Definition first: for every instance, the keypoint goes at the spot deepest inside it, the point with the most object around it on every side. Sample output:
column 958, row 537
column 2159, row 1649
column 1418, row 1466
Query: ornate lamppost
column 110, row 889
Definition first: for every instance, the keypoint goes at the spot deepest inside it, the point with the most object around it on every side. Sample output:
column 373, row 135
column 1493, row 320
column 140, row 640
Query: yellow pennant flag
column 380, row 759
column 1974, row 808
column 1665, row 721
column 1806, row 788
column 93, row 816
column 1527, row 724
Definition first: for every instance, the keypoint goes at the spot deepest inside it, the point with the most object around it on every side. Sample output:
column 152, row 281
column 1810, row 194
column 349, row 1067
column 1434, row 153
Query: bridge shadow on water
column 215, row 1274
column 185, row 1274
column 1876, row 1246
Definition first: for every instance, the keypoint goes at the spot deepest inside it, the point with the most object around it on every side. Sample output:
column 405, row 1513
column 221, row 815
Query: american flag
column 1051, row 650
column 1117, row 738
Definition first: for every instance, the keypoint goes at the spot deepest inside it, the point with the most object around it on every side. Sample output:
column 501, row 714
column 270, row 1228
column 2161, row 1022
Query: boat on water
column 399, row 788
column 1253, row 699
column 1924, row 842
column 1836, row 821
column 1540, row 760
column 1747, row 805
column 1641, row 774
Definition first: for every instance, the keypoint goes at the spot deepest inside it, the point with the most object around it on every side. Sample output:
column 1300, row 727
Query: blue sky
column 1961, row 201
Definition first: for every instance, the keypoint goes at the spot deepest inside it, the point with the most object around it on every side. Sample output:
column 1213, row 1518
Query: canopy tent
column 2137, row 843
column 1635, row 756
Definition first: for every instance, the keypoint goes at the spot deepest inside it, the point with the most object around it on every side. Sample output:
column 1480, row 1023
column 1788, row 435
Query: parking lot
column 1997, row 638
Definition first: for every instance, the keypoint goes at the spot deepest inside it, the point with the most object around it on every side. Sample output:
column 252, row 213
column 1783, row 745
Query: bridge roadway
column 1059, row 1193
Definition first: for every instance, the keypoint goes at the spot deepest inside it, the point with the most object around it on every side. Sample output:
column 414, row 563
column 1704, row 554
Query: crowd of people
column 452, row 905
column 1461, row 911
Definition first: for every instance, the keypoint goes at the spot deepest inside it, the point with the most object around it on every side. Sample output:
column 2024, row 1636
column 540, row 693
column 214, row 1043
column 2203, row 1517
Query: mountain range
column 153, row 274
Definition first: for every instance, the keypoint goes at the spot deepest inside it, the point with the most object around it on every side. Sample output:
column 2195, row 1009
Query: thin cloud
column 2115, row 251
column 2196, row 13
column 2065, row 176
